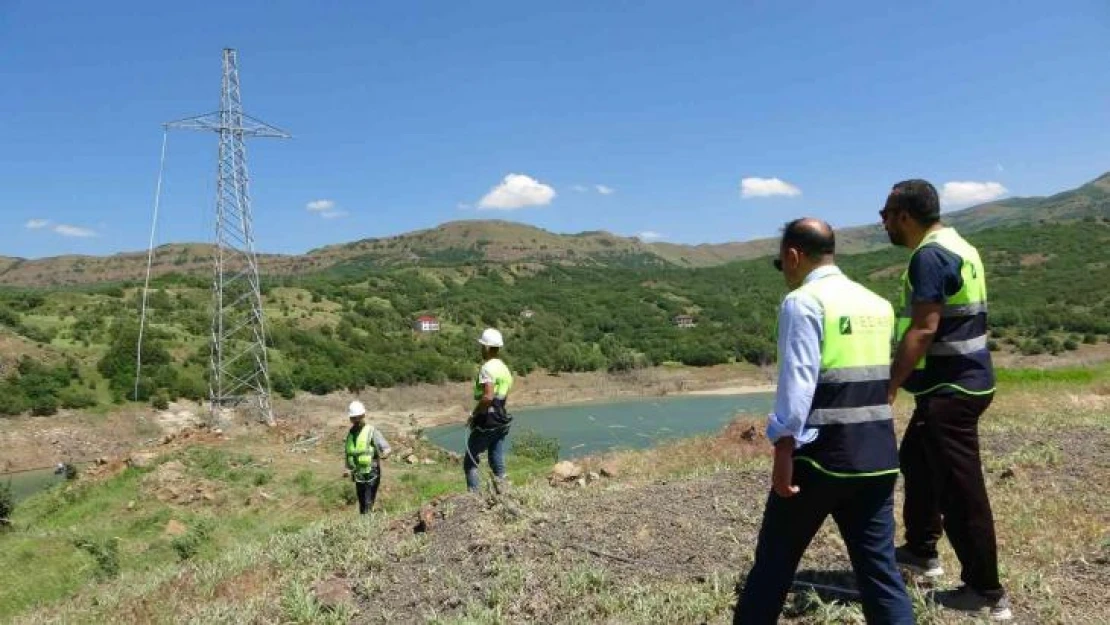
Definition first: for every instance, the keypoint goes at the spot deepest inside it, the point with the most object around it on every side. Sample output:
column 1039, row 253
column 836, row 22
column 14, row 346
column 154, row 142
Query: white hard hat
column 491, row 338
column 356, row 409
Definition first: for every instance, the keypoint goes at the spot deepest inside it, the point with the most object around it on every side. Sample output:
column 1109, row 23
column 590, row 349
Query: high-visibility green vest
column 854, row 422
column 502, row 380
column 361, row 452
column 495, row 416
column 958, row 359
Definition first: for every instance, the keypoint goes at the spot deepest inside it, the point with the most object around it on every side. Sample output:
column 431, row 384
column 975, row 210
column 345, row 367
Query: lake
column 595, row 427
column 26, row 483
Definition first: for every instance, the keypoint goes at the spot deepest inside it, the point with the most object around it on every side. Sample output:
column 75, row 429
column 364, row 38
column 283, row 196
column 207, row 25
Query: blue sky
column 409, row 114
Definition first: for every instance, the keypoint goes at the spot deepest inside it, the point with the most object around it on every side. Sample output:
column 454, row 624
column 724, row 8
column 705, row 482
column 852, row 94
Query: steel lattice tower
column 238, row 365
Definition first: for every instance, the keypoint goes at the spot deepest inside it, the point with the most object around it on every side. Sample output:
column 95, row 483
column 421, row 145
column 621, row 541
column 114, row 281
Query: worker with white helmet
column 489, row 421
column 365, row 447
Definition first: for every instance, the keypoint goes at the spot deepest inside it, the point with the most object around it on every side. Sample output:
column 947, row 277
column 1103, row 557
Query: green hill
column 482, row 242
column 350, row 326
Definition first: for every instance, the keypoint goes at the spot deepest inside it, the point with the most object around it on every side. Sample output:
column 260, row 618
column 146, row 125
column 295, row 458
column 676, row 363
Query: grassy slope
column 1045, row 444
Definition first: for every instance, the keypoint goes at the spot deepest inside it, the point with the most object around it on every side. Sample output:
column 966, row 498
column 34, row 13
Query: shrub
column 160, row 401
column 7, row 501
column 190, row 543
column 530, row 444
column 105, row 554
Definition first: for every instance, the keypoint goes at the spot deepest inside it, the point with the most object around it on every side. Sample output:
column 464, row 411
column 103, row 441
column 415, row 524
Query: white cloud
column 767, row 187
column 967, row 193
column 35, row 224
column 579, row 188
column 325, row 209
column 320, row 206
column 604, row 190
column 67, row 230
column 648, row 236
column 517, row 191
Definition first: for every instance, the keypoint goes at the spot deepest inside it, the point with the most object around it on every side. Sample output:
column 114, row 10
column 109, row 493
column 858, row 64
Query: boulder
column 141, row 459
column 175, row 528
column 334, row 594
column 411, row 459
column 565, row 471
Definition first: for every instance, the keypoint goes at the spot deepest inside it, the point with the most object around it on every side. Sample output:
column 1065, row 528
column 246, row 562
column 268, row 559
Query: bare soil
column 696, row 531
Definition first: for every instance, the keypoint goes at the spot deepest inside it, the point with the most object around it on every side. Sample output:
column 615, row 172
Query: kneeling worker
column 833, row 433
column 489, row 422
column 365, row 448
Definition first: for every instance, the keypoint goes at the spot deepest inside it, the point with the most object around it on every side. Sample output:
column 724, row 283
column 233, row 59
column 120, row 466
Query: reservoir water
column 595, row 427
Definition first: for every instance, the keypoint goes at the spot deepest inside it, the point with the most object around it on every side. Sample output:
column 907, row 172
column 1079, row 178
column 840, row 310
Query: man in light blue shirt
column 833, row 432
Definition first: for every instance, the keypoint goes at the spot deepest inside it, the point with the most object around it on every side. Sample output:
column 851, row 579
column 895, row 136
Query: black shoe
column 966, row 599
column 929, row 567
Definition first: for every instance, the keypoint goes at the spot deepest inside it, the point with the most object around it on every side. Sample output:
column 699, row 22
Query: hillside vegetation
column 350, row 327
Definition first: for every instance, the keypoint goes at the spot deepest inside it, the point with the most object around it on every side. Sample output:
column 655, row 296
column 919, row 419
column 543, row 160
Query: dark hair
column 918, row 199
column 811, row 237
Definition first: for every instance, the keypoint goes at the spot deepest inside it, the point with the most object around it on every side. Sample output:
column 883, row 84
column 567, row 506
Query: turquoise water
column 28, row 483
column 591, row 428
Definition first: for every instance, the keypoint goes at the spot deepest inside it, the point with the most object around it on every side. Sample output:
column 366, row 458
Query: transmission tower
column 238, row 365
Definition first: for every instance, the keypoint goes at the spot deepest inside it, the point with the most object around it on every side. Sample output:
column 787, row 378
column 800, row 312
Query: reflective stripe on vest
column 360, row 449
column 502, row 379
column 963, row 325
column 855, row 424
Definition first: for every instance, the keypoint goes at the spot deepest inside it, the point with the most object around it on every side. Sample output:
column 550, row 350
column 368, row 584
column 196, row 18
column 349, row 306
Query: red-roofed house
column 426, row 323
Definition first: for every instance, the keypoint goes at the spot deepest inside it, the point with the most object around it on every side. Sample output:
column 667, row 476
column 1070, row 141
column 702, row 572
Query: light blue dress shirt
column 801, row 323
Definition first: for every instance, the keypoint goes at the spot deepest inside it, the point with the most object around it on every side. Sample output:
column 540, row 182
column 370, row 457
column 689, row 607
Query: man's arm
column 486, row 381
column 800, row 327
column 934, row 276
column 912, row 347
column 381, row 444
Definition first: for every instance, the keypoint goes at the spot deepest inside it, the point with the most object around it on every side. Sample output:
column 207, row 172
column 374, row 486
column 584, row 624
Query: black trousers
column 863, row 508
column 945, row 490
column 367, row 492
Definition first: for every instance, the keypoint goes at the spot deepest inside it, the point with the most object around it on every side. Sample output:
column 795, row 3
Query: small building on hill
column 684, row 321
column 426, row 323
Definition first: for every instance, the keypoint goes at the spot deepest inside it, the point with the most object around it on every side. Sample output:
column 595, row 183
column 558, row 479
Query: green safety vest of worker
column 850, row 411
column 493, row 371
column 502, row 379
column 958, row 358
column 361, row 453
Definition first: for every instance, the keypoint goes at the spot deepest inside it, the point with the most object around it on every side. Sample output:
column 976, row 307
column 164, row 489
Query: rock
column 425, row 519
column 565, row 471
column 217, row 431
column 749, row 434
column 131, row 505
column 335, row 593
column 411, row 459
column 141, row 459
column 1009, row 473
column 101, row 461
column 580, row 482
column 167, row 439
column 608, row 469
column 175, row 528
column 428, row 461
column 593, row 476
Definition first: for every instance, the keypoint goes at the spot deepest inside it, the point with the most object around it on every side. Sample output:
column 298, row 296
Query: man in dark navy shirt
column 943, row 361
